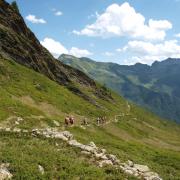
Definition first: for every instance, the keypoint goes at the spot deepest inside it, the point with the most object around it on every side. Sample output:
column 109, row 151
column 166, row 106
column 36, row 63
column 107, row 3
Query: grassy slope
column 140, row 136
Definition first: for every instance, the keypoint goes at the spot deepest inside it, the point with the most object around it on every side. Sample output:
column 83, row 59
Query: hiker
column 105, row 119
column 71, row 120
column 98, row 121
column 85, row 122
column 66, row 121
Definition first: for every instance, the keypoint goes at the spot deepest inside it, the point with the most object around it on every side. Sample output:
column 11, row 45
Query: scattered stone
column 56, row 123
column 68, row 135
column 85, row 153
column 130, row 163
column 103, row 151
column 112, row 157
column 137, row 170
column 4, row 172
column 25, row 131
column 82, row 127
column 7, row 129
column 141, row 168
column 75, row 143
column 41, row 169
column 89, row 148
column 16, row 130
column 101, row 156
column 105, row 162
column 59, row 136
column 128, row 171
column 92, row 144
column 16, row 122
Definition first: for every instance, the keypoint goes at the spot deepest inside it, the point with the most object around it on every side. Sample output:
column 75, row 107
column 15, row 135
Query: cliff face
column 17, row 42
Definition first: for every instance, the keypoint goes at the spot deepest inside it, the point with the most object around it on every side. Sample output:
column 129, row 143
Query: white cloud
column 95, row 15
column 58, row 13
column 177, row 35
column 146, row 52
column 35, row 20
column 55, row 47
column 123, row 20
column 109, row 54
column 79, row 52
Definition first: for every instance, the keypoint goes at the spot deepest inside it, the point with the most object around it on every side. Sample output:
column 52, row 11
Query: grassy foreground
column 139, row 135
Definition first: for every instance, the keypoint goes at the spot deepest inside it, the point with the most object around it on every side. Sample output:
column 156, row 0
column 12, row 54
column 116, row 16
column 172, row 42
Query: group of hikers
column 101, row 120
column 70, row 120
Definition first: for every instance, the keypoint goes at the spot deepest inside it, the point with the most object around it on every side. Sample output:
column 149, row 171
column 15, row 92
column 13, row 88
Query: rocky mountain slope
column 20, row 44
column 155, row 87
column 34, row 102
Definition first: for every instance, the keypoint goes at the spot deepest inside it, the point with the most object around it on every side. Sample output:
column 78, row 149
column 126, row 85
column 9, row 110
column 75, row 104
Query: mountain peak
column 168, row 61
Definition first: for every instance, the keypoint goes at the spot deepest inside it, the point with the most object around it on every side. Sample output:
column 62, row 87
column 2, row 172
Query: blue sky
column 119, row 31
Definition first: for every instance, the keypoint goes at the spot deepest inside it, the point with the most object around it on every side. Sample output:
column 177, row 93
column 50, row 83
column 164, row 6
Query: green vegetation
column 15, row 6
column 149, row 86
column 139, row 136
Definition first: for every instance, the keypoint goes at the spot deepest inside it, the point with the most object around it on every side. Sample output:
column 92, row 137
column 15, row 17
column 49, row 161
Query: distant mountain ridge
column 156, row 87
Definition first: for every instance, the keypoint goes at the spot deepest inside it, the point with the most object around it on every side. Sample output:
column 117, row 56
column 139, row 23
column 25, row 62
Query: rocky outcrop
column 140, row 171
column 18, row 43
column 4, row 172
column 101, row 157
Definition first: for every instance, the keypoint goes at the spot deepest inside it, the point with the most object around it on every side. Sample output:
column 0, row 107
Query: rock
column 19, row 119
column 100, row 156
column 25, row 131
column 103, row 151
column 136, row 174
column 151, row 176
column 130, row 163
column 141, row 168
column 60, row 136
column 68, row 135
column 128, row 171
column 82, row 127
column 56, row 123
column 117, row 162
column 16, row 122
column 75, row 144
column 92, row 144
column 16, row 130
column 105, row 162
column 4, row 172
column 122, row 167
column 41, row 169
column 7, row 129
column 89, row 148
column 85, row 153
column 112, row 157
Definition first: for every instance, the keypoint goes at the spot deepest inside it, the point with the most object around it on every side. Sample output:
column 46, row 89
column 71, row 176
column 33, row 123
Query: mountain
column 20, row 44
column 37, row 92
column 154, row 87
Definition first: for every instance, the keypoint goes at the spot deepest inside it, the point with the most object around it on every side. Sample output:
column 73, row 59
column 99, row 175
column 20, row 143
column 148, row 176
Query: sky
column 123, row 32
